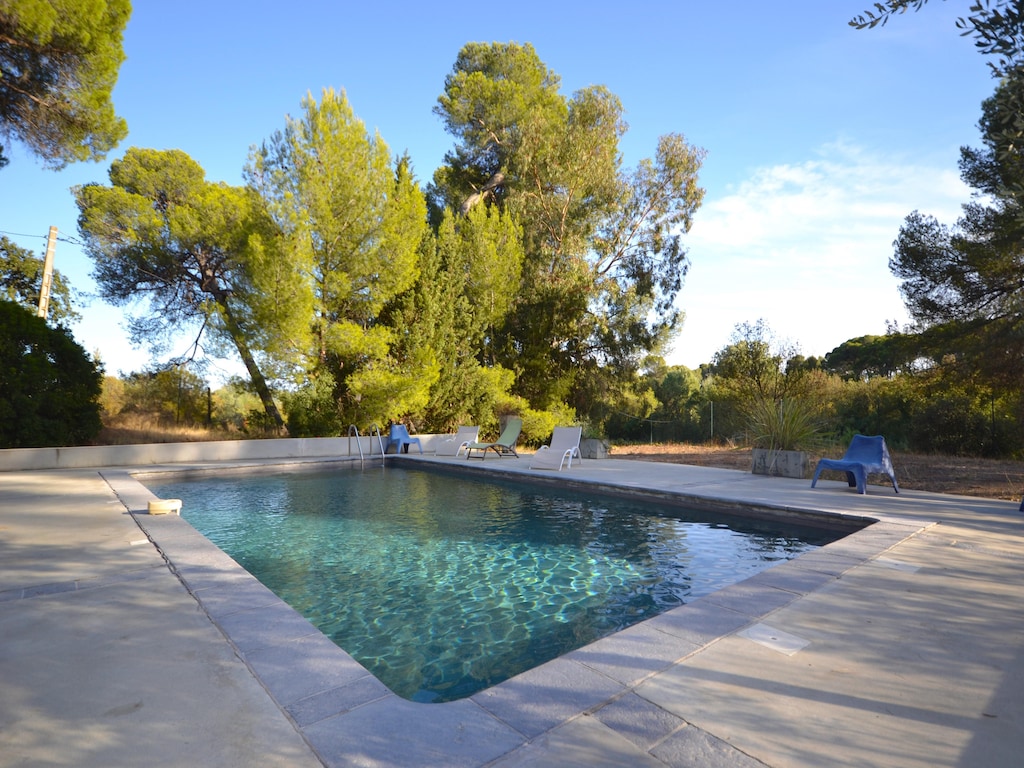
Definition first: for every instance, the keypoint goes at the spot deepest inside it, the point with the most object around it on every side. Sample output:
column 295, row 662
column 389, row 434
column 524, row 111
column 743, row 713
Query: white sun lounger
column 454, row 445
column 565, row 444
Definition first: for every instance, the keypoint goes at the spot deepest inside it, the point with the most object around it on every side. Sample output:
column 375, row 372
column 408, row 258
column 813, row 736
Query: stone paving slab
column 397, row 733
column 584, row 742
column 131, row 674
column 887, row 676
column 84, row 533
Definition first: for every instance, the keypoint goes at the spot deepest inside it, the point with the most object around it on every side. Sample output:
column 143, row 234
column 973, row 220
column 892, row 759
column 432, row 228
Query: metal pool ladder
column 374, row 430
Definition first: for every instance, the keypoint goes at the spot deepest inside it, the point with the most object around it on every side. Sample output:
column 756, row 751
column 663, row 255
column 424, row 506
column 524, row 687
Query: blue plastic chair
column 400, row 438
column 865, row 456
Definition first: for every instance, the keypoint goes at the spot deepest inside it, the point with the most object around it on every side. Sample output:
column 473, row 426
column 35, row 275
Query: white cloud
column 806, row 247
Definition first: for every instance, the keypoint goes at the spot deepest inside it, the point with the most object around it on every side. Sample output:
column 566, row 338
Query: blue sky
column 820, row 138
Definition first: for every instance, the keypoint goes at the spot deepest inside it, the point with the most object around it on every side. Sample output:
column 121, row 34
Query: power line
column 61, row 239
column 21, row 234
column 645, row 418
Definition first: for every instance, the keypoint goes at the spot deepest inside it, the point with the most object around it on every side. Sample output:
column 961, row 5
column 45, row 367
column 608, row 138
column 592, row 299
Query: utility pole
column 44, row 289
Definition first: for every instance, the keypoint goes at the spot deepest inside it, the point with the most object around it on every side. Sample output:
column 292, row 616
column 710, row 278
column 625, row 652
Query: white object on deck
column 165, row 506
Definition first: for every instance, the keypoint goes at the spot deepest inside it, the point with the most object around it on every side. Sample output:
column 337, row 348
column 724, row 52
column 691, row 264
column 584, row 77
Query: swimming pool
column 443, row 585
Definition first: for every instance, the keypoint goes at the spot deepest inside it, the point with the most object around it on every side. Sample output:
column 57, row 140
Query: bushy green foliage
column 234, row 406
column 765, row 391
column 682, row 405
column 539, row 424
column 170, row 395
column 964, row 422
column 112, row 396
column 929, row 413
column 312, row 410
column 49, row 386
column 59, row 61
column 880, row 406
column 468, row 274
column 474, row 395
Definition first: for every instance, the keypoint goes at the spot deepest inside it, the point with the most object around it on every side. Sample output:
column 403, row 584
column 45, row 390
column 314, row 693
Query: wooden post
column 44, row 289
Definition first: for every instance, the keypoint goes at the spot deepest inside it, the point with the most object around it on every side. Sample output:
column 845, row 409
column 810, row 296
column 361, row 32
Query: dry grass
column 987, row 478
column 139, row 429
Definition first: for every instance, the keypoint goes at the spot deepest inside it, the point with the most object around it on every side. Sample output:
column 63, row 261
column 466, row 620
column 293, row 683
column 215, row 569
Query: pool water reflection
column 442, row 585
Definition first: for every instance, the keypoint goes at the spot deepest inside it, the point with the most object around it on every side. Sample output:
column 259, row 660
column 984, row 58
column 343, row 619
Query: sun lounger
column 504, row 445
column 565, row 444
column 454, row 445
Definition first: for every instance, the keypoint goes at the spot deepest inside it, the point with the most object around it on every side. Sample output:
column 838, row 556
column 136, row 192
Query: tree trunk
column 486, row 190
column 255, row 375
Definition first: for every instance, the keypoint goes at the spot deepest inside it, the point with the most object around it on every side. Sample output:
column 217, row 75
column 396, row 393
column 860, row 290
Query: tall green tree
column 753, row 364
column 21, row 279
column 194, row 254
column 354, row 219
column 468, row 275
column 964, row 285
column 676, row 388
column 59, row 61
column 603, row 254
column 868, row 357
column 762, row 388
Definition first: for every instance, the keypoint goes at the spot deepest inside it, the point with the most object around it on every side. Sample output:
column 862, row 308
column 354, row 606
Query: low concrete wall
column 174, row 453
column 12, row 459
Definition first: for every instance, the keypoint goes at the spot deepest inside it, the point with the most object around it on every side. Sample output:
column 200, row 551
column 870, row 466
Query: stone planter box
column 593, row 448
column 780, row 463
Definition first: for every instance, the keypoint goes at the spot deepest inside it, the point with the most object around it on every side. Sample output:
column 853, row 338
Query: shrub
column 312, row 410
column 49, row 386
column 168, row 395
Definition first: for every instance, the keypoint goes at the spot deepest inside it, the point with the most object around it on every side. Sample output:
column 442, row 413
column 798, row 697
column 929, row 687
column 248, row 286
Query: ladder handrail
column 353, row 428
column 375, row 430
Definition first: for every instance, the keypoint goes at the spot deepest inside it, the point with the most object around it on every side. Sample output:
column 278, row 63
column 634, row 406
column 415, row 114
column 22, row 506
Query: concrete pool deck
column 127, row 639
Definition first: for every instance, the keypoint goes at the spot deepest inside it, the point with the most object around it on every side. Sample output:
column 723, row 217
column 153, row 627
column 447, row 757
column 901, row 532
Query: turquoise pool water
column 442, row 585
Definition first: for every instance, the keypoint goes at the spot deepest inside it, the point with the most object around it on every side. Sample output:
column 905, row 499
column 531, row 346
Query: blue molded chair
column 400, row 438
column 865, row 456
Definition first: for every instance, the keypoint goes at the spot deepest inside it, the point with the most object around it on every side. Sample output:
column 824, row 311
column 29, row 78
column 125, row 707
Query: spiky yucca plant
column 788, row 424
